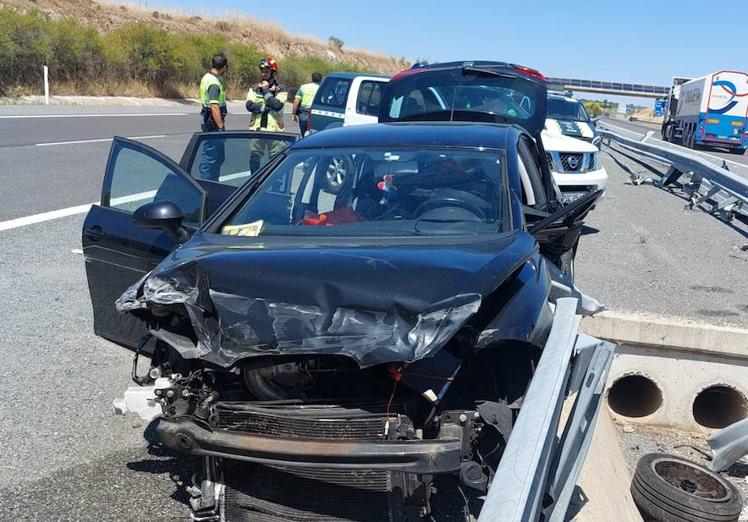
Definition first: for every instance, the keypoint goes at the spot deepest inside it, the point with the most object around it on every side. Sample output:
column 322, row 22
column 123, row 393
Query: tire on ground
column 663, row 501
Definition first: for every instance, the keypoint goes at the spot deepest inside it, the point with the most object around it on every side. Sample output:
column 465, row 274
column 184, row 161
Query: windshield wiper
column 479, row 71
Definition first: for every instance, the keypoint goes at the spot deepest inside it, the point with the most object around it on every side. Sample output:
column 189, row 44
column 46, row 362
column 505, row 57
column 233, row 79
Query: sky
column 640, row 41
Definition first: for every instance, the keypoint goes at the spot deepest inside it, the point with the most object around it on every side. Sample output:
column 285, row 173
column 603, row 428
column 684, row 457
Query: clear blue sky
column 631, row 40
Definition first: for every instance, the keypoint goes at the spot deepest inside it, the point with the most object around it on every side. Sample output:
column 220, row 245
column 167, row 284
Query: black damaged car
column 375, row 326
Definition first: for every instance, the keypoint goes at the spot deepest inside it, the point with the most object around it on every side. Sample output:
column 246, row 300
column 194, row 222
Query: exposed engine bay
column 319, row 438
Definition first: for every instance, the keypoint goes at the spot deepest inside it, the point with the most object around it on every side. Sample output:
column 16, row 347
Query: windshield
column 377, row 192
column 455, row 95
column 561, row 109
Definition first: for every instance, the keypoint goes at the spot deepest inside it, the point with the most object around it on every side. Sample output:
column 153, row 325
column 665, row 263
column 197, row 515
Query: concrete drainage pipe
column 719, row 405
column 634, row 396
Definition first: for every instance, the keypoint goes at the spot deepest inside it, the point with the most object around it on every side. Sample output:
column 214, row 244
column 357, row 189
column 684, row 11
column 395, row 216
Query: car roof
column 352, row 75
column 562, row 97
column 412, row 134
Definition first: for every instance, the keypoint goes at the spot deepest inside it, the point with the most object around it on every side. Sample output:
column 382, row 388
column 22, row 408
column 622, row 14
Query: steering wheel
column 453, row 198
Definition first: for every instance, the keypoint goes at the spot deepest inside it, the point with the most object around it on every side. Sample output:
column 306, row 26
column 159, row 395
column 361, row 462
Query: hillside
column 127, row 29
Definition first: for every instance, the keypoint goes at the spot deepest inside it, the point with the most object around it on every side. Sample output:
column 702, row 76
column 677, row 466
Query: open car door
column 223, row 161
column 117, row 251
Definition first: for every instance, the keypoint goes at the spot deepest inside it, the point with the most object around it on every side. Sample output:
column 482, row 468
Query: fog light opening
column 719, row 406
column 634, row 396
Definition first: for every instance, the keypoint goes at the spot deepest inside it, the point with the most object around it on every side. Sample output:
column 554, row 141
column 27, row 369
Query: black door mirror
column 165, row 215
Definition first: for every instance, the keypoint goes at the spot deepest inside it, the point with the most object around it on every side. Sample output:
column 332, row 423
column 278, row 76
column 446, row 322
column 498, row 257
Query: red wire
column 389, row 402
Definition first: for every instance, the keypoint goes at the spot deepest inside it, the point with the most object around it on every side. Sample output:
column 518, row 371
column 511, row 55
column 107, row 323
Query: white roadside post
column 46, row 85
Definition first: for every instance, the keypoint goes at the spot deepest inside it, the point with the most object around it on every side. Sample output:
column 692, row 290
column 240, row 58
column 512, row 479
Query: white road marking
column 82, row 209
column 97, row 140
column 45, row 216
column 124, row 115
column 616, row 127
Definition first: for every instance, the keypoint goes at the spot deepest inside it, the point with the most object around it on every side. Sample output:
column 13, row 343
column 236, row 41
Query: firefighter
column 265, row 101
column 213, row 117
column 302, row 103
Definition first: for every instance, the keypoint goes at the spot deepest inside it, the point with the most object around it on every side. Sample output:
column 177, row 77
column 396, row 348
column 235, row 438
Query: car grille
column 257, row 493
column 295, row 422
column 572, row 161
column 569, row 162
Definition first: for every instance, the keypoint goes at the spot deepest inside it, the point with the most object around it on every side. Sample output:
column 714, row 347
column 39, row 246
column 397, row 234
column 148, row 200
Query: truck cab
column 345, row 99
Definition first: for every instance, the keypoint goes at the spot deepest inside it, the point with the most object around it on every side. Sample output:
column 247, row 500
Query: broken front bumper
column 411, row 456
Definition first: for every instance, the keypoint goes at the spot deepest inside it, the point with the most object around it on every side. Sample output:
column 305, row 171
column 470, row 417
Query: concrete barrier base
column 673, row 371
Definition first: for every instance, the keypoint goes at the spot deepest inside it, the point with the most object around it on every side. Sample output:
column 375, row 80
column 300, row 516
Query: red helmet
column 269, row 63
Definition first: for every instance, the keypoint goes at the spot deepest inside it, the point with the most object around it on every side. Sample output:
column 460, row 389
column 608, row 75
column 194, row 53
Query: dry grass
column 268, row 37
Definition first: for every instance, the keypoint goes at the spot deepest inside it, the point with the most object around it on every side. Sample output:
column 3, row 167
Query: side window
column 334, row 92
column 231, row 160
column 369, row 96
column 137, row 176
column 533, row 173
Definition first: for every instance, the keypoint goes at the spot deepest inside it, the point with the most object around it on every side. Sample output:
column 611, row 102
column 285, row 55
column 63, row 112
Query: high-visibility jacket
column 305, row 94
column 266, row 109
column 207, row 81
column 207, row 98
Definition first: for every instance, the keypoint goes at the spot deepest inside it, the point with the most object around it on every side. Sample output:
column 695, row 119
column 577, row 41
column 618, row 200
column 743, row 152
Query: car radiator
column 260, row 493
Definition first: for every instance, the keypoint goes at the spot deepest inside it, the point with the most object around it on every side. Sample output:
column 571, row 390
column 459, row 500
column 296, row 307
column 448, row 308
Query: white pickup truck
column 570, row 141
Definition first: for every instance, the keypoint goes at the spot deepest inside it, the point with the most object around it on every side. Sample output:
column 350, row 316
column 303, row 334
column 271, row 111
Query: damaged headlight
column 594, row 161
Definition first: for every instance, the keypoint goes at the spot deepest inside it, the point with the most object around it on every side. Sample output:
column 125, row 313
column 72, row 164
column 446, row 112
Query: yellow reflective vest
column 269, row 120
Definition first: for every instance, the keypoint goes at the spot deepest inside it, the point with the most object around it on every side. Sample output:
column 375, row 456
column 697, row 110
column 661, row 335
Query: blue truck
column 710, row 111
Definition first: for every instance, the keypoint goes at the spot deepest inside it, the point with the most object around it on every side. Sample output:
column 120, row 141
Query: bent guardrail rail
column 706, row 179
column 539, row 470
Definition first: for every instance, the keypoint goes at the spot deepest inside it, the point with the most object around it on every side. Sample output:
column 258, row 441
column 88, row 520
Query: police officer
column 302, row 103
column 265, row 101
column 213, row 117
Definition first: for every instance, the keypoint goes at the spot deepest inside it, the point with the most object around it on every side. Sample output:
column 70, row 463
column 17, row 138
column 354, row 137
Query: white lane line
column 124, row 115
column 82, row 209
column 45, row 216
column 616, row 127
column 97, row 140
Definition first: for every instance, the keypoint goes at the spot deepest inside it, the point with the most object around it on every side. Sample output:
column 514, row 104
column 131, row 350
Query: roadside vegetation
column 136, row 59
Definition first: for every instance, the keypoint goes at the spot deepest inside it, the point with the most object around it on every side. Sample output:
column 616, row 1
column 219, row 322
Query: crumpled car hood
column 376, row 302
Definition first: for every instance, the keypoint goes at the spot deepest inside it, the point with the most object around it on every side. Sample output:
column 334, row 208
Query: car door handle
column 94, row 233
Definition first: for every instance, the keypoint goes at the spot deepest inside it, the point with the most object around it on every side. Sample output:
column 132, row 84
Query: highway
column 736, row 163
column 641, row 251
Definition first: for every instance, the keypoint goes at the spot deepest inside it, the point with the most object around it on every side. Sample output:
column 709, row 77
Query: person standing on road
column 213, row 117
column 265, row 101
column 302, row 102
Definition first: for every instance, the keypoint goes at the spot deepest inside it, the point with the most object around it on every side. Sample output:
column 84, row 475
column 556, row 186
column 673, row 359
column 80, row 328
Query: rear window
column 334, row 92
column 454, row 95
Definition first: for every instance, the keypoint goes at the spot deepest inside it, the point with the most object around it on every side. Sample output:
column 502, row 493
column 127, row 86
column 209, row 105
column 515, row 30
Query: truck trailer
column 710, row 111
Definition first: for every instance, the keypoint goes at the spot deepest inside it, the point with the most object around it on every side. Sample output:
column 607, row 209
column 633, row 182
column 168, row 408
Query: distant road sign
column 659, row 108
column 621, row 108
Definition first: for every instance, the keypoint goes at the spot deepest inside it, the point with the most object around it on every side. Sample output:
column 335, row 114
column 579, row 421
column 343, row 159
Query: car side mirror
column 593, row 121
column 165, row 215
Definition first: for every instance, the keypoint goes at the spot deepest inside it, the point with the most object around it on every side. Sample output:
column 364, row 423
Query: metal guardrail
column 538, row 469
column 726, row 191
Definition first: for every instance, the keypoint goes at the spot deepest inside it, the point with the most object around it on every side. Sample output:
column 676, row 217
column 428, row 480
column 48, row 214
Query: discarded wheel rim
column 690, row 479
column 668, row 488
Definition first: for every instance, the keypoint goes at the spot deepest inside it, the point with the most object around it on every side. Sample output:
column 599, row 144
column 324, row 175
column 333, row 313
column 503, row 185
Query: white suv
column 575, row 165
column 570, row 140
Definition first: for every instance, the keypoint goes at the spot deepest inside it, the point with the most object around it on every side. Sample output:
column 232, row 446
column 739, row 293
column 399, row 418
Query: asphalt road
column 64, row 456
column 56, row 159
